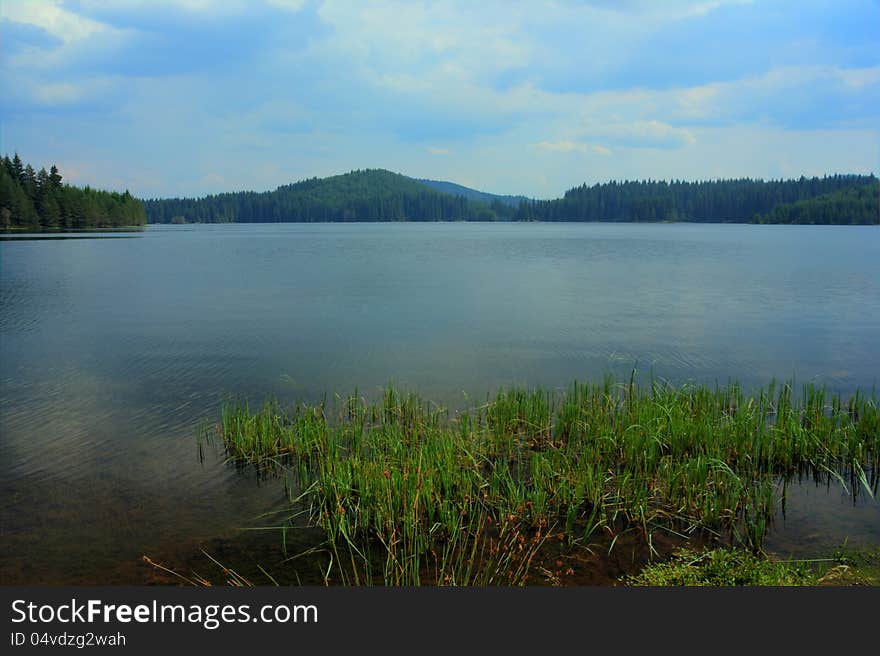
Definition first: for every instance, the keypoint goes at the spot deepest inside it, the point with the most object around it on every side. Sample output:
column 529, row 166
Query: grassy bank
column 409, row 493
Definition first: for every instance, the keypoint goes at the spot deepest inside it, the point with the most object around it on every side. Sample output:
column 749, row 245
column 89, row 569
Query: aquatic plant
column 408, row 492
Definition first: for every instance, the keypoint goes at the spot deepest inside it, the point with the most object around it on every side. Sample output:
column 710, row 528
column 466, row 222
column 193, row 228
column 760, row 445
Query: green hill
column 368, row 195
column 379, row 195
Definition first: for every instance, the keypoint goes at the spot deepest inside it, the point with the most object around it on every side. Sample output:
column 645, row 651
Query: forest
column 37, row 200
column 830, row 199
column 31, row 200
column 379, row 195
column 850, row 205
column 365, row 195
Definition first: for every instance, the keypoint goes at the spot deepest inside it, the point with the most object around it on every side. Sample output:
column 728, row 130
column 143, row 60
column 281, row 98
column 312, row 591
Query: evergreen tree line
column 858, row 205
column 369, row 195
column 736, row 201
column 37, row 200
column 378, row 195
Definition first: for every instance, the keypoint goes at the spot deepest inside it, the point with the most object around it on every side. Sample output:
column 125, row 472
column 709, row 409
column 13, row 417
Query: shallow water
column 114, row 351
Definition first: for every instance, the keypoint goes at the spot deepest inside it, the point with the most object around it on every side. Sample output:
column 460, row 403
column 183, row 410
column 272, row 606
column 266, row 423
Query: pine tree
column 18, row 168
column 43, row 181
column 29, row 182
column 55, row 177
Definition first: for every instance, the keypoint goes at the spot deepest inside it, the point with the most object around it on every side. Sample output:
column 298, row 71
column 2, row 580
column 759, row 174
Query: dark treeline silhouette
column 32, row 200
column 369, row 195
column 740, row 201
column 379, row 195
column 851, row 205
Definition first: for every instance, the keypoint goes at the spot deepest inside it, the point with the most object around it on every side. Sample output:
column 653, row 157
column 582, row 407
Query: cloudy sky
column 188, row 97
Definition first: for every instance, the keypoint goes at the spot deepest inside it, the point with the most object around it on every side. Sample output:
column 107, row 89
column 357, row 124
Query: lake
column 115, row 349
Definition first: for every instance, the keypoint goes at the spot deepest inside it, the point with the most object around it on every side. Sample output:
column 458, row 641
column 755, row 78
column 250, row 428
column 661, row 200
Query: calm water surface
column 114, row 350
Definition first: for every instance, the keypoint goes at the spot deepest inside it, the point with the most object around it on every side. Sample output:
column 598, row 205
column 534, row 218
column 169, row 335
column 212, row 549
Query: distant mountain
column 472, row 194
column 368, row 195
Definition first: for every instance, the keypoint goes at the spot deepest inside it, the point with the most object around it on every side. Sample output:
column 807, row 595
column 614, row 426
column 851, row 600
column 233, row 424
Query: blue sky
column 189, row 97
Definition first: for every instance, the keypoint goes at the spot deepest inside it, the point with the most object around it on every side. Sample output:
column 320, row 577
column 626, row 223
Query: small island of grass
column 533, row 486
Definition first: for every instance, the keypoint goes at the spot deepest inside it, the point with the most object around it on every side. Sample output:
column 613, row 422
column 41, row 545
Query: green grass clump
column 736, row 567
column 409, row 493
column 722, row 567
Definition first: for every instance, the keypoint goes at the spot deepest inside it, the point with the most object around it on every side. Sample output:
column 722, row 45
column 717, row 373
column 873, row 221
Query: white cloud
column 59, row 94
column 213, row 180
column 561, row 146
column 192, row 6
column 289, row 5
column 860, row 77
column 771, row 95
column 53, row 18
column 668, row 9
column 647, row 133
column 703, row 8
column 396, row 41
column 573, row 147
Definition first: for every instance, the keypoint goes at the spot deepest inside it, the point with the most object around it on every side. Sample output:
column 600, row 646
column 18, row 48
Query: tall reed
column 410, row 493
